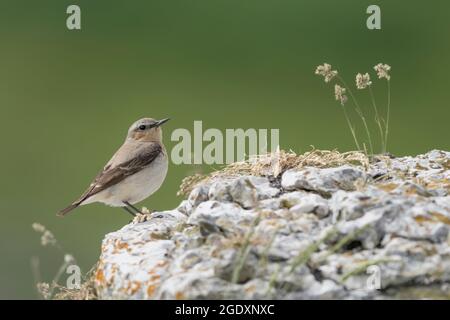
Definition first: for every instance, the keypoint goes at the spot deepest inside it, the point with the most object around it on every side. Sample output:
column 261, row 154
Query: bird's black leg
column 129, row 211
column 132, row 207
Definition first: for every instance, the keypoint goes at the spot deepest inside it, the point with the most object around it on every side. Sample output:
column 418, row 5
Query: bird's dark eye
column 142, row 127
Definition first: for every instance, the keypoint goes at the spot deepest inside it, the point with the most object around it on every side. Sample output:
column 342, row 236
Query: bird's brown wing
column 111, row 176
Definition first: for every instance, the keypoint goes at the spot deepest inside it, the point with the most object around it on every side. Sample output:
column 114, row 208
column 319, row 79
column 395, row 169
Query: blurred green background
column 68, row 97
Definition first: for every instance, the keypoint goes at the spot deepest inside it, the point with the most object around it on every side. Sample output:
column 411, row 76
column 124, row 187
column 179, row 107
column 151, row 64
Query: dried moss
column 275, row 163
column 86, row 291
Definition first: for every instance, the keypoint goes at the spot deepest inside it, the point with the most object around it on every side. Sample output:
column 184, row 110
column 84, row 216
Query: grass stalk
column 265, row 253
column 386, row 132
column 351, row 128
column 359, row 112
column 362, row 267
column 273, row 279
column 303, row 256
column 378, row 121
column 343, row 241
column 245, row 250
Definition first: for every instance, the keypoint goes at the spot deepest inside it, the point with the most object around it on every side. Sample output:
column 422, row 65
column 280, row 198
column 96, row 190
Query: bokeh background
column 68, row 97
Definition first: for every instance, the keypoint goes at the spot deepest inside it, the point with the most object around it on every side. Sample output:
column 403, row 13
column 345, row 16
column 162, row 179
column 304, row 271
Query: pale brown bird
column 134, row 172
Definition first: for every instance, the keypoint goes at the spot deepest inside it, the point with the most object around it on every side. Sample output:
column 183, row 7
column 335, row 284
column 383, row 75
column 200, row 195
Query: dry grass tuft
column 85, row 292
column 53, row 290
column 275, row 163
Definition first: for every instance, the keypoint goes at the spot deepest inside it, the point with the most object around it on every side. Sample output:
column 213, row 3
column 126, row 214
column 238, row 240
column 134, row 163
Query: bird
column 135, row 171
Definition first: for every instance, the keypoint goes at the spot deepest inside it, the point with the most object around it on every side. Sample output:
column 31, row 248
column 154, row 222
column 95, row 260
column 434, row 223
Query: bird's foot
column 139, row 218
column 142, row 216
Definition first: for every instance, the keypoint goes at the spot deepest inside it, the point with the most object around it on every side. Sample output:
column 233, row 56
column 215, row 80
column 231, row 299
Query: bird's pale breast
column 136, row 187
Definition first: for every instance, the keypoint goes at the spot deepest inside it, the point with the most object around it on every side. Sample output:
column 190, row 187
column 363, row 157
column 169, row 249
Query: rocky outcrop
column 346, row 231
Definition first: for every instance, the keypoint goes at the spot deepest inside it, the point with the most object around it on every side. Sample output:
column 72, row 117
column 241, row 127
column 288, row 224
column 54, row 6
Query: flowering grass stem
column 359, row 112
column 386, row 132
column 378, row 121
column 363, row 81
column 351, row 128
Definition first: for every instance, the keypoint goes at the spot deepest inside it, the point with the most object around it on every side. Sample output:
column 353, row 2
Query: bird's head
column 146, row 129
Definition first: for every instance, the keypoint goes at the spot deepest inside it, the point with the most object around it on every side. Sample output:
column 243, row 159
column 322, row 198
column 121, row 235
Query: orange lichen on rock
column 388, row 187
column 118, row 245
column 433, row 217
column 179, row 296
column 440, row 217
column 151, row 290
column 133, row 287
column 100, row 277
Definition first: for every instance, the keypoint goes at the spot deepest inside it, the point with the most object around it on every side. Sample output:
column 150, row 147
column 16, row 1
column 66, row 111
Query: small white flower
column 363, row 81
column 44, row 289
column 68, row 258
column 48, row 238
column 339, row 93
column 383, row 71
column 38, row 227
column 325, row 71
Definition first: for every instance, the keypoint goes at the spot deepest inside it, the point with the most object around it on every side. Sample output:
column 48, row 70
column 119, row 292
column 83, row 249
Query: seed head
column 68, row 258
column 383, row 71
column 339, row 93
column 44, row 289
column 47, row 237
column 363, row 81
column 38, row 227
column 325, row 71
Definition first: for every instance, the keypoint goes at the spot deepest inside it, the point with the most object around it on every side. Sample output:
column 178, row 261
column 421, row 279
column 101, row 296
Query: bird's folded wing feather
column 110, row 176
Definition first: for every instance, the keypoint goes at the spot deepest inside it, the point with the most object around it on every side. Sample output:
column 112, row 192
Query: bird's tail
column 66, row 210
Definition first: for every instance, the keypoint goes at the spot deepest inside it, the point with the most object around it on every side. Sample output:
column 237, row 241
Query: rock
column 245, row 190
column 220, row 191
column 312, row 203
column 313, row 233
column 198, row 195
column 352, row 205
column 220, row 216
column 324, row 181
column 134, row 259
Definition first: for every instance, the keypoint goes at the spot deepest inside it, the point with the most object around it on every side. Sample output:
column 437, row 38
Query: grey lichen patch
column 309, row 229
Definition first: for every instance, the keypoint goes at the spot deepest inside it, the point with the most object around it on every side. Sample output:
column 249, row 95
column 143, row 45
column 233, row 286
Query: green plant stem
column 245, row 250
column 359, row 112
column 362, row 267
column 273, row 279
column 304, row 256
column 378, row 120
column 35, row 269
column 264, row 259
column 351, row 128
column 387, row 115
column 58, row 275
column 343, row 241
column 365, row 148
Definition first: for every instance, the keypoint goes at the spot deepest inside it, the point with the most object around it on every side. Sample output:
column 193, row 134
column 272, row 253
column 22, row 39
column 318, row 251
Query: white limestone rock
column 311, row 233
column 325, row 181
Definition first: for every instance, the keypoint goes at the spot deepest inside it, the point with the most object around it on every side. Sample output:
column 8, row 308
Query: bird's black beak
column 161, row 122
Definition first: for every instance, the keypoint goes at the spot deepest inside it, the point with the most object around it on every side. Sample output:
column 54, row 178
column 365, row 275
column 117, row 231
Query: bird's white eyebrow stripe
column 149, row 124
